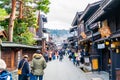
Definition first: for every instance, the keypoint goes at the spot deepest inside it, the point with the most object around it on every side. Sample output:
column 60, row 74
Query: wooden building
column 73, row 40
column 85, row 35
column 41, row 40
column 105, row 21
column 12, row 53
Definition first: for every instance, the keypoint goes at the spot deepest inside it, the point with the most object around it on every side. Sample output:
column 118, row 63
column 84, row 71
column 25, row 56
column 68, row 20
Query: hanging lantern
column 90, row 43
column 117, row 50
column 109, row 61
column 113, row 45
column 107, row 43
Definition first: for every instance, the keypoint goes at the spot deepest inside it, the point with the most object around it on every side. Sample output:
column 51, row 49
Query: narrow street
column 88, row 31
column 65, row 70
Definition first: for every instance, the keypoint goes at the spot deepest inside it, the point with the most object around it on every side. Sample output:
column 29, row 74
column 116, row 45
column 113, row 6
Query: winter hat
column 38, row 51
column 2, row 64
column 25, row 56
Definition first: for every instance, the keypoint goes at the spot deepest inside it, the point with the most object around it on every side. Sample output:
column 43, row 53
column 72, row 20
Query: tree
column 3, row 14
column 21, row 32
column 11, row 21
column 22, row 4
column 5, row 4
column 25, row 19
column 42, row 5
column 21, row 9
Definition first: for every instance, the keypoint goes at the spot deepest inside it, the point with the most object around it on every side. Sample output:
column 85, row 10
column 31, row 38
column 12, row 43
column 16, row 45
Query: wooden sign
column 95, row 64
column 83, row 35
column 105, row 32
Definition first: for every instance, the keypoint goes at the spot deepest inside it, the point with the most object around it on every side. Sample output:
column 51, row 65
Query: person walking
column 38, row 65
column 60, row 55
column 45, row 55
column 4, row 74
column 24, row 66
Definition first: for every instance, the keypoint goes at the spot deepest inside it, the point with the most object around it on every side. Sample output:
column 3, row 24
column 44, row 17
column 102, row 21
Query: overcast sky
column 62, row 12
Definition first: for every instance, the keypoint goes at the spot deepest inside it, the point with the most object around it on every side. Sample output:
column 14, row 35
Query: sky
column 62, row 12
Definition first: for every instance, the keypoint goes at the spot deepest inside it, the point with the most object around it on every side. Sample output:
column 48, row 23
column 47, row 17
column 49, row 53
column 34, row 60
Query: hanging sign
column 95, row 64
column 101, row 46
column 105, row 30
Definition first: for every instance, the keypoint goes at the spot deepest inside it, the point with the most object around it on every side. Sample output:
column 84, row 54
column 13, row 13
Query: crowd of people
column 76, row 56
column 53, row 54
column 34, row 70
column 26, row 71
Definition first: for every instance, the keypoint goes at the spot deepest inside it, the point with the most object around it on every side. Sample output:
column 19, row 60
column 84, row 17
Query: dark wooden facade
column 106, row 43
column 12, row 53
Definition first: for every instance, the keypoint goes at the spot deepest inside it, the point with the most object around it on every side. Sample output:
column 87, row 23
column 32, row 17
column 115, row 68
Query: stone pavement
column 14, row 75
column 65, row 70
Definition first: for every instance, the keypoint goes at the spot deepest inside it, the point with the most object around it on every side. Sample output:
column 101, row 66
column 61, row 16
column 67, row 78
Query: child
column 4, row 74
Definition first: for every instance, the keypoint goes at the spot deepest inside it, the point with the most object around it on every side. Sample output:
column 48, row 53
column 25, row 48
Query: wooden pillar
column 19, row 57
column 12, row 59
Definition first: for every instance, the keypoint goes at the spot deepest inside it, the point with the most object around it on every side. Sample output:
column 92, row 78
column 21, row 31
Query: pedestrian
column 24, row 66
column 56, row 54
column 38, row 65
column 77, row 58
column 46, row 56
column 4, row 74
column 73, row 57
column 50, row 55
column 82, row 56
column 60, row 55
column 70, row 55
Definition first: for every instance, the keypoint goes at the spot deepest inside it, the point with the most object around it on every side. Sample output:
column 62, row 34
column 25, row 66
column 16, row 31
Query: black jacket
column 26, row 68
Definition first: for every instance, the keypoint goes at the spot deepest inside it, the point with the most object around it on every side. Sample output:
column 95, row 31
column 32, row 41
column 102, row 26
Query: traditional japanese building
column 73, row 40
column 107, row 19
column 13, row 52
column 41, row 40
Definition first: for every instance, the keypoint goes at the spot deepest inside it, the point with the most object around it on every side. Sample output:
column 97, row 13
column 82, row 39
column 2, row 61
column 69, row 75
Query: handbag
column 20, row 70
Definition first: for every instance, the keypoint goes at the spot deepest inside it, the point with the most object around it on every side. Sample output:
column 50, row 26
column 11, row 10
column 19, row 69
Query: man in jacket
column 25, row 68
column 38, row 65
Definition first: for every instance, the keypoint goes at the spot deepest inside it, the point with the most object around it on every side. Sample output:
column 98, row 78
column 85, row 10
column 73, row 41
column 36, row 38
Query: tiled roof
column 11, row 44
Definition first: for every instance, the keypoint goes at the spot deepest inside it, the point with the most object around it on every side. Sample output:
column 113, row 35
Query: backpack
column 5, row 75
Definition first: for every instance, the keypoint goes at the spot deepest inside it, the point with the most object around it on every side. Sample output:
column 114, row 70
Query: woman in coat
column 25, row 68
